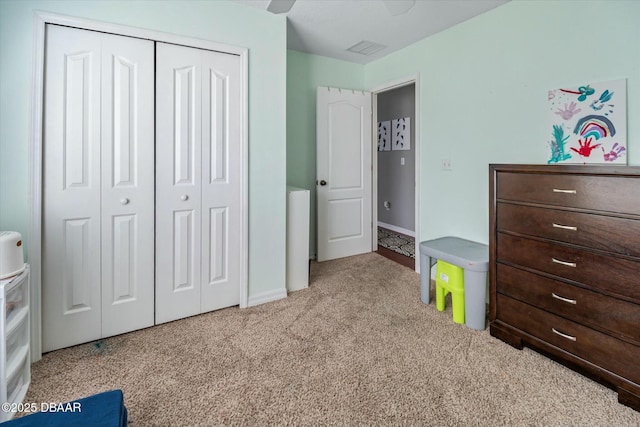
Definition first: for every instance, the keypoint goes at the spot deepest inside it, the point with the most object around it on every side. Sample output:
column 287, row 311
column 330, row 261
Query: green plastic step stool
column 450, row 280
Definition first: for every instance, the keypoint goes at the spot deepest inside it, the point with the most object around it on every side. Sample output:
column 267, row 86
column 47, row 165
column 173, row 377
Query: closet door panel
column 221, row 186
column 127, row 184
column 178, row 181
column 71, row 189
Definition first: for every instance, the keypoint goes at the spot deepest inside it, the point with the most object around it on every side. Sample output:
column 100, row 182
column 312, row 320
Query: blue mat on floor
column 100, row 410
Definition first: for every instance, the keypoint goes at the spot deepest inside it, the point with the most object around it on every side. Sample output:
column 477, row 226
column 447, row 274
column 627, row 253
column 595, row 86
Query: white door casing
column 96, row 250
column 198, row 181
column 343, row 172
column 415, row 80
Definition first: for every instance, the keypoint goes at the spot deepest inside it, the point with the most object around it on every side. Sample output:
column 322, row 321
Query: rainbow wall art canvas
column 589, row 123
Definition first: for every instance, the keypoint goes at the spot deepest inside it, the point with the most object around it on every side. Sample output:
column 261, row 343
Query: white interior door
column 343, row 172
column 221, row 181
column 71, row 190
column 178, row 181
column 97, row 277
column 127, row 184
column 198, row 182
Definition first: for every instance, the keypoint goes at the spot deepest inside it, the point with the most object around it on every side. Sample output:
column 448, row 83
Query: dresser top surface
column 614, row 170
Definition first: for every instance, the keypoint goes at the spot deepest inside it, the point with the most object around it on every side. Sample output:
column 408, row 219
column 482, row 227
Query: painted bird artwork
column 602, row 102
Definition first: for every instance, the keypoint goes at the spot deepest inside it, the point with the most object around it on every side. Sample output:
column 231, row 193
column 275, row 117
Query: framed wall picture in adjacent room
column 384, row 136
column 401, row 133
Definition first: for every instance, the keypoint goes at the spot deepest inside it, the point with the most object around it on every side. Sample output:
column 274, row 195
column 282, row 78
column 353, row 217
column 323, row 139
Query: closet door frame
column 41, row 19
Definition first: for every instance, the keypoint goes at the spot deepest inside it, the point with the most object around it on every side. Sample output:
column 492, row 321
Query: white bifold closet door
column 198, row 181
column 98, row 183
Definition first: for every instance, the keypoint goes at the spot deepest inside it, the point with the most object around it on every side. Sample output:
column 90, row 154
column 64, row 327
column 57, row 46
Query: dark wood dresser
column 564, row 251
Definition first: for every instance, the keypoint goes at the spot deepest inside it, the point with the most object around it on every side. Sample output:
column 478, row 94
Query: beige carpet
column 355, row 349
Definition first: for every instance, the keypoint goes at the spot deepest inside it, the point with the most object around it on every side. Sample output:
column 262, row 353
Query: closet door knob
column 124, row 201
column 184, row 197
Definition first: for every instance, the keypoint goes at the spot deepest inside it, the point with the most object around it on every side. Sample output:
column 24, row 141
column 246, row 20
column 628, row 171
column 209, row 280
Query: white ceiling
column 329, row 27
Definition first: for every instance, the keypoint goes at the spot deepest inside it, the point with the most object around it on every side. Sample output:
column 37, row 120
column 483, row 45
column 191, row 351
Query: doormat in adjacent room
column 397, row 242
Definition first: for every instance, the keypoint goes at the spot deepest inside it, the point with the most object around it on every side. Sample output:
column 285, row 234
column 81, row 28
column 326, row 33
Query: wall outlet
column 446, row 165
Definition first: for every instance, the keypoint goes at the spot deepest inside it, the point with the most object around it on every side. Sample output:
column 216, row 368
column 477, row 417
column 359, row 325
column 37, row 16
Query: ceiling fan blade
column 280, row 6
column 398, row 7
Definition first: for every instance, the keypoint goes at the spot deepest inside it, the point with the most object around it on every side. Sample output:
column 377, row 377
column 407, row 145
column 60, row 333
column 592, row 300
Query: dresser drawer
column 572, row 302
column 602, row 193
column 603, row 350
column 607, row 233
column 608, row 273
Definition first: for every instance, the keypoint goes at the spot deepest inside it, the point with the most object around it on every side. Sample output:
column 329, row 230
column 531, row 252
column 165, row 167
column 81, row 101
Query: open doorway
column 395, row 177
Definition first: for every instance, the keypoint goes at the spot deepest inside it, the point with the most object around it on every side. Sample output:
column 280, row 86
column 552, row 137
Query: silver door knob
column 323, row 182
column 124, row 201
column 184, row 197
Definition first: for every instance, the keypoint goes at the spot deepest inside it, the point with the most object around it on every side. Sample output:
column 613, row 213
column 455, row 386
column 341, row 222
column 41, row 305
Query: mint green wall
column 219, row 21
column 483, row 95
column 305, row 73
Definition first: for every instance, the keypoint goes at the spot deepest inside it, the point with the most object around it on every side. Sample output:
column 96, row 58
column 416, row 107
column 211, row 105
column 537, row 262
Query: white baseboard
column 266, row 297
column 397, row 229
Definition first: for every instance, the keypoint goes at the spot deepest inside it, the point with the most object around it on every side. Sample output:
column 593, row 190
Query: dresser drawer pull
column 570, row 301
column 565, row 227
column 557, row 190
column 569, row 337
column 568, row 264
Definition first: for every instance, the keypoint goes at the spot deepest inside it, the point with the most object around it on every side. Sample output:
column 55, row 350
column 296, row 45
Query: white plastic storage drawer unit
column 15, row 361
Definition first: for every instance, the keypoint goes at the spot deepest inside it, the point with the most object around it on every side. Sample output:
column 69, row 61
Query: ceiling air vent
column 366, row 48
